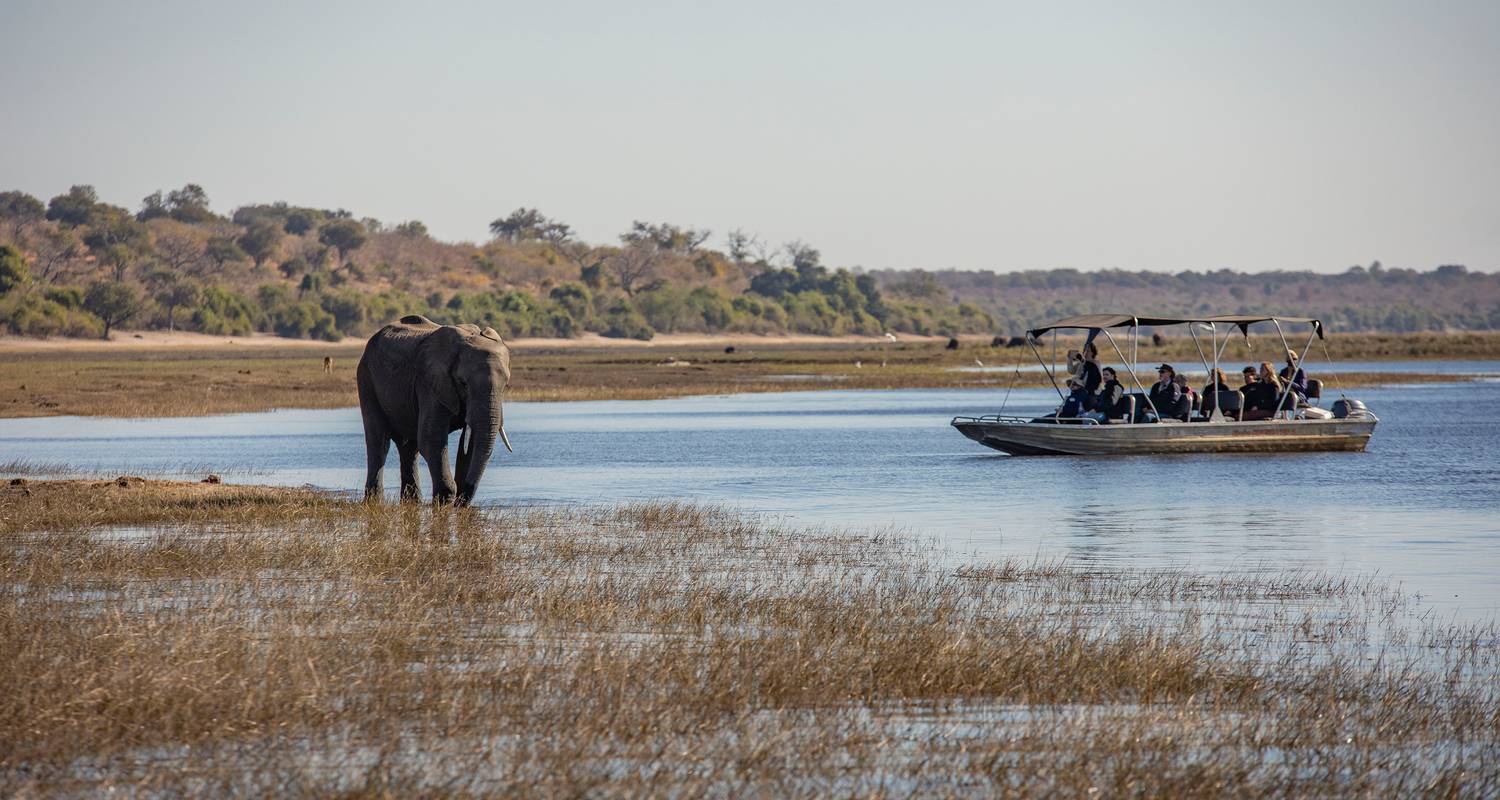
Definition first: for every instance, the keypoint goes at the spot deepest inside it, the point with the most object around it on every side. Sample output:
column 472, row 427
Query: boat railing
column 1001, row 419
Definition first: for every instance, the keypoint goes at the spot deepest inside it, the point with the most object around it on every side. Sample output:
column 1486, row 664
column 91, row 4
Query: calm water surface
column 1421, row 507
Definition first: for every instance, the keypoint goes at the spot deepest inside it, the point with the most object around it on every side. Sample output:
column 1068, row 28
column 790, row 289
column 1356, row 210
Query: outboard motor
column 1346, row 408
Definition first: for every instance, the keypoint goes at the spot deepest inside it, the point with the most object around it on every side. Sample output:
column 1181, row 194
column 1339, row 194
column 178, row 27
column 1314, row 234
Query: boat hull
column 1267, row 436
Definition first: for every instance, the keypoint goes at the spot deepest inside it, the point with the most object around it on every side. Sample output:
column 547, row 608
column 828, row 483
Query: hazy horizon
column 983, row 136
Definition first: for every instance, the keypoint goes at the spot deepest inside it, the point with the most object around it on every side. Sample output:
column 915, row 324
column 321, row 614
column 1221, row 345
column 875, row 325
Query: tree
column 74, row 208
column 343, row 235
column 222, row 250
column 55, row 250
column 13, row 270
column 116, row 238
column 299, row 222
column 113, row 302
column 180, row 247
column 173, row 290
column 260, row 241
column 527, row 224
column 804, row 257
column 18, row 210
column 743, row 246
column 190, row 204
column 634, row 266
column 153, row 206
column 412, row 229
column 666, row 236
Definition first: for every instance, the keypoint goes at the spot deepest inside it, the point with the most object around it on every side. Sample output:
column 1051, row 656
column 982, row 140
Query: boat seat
column 1182, row 410
column 1314, row 390
column 1230, row 402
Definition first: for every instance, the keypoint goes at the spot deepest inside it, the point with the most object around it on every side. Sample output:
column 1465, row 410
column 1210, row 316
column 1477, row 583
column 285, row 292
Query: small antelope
column 327, row 365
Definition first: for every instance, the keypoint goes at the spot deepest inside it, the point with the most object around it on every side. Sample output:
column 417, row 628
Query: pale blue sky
column 1305, row 135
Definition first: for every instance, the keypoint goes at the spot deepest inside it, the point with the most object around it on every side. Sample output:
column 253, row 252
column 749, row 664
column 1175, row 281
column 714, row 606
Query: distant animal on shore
column 952, row 343
column 420, row 381
column 327, row 365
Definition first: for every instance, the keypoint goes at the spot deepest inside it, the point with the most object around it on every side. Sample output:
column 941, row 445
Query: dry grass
column 277, row 642
column 145, row 382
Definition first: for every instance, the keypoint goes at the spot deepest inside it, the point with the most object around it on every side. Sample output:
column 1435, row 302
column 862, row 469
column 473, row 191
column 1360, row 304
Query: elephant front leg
column 432, row 440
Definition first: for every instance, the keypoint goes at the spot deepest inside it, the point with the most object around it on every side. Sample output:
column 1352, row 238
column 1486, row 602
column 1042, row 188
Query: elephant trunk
column 484, row 421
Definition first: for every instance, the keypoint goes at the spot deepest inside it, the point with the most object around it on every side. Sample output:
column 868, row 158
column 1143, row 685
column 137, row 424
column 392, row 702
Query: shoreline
column 187, row 375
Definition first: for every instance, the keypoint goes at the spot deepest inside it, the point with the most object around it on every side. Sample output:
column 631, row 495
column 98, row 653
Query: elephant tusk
column 506, row 439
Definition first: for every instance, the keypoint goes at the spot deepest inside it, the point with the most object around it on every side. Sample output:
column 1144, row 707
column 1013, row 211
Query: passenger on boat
column 1109, row 403
column 1165, row 393
column 1074, row 404
column 1075, row 364
column 1261, row 391
column 1294, row 376
column 1187, row 391
column 1091, row 374
column 1217, row 383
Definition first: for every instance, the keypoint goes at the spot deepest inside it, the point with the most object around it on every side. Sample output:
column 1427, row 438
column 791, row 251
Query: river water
column 1421, row 507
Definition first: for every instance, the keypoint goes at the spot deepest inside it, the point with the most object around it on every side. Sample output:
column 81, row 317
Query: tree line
column 76, row 265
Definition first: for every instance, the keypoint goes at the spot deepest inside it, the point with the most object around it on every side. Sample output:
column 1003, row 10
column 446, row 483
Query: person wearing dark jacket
column 1210, row 397
column 1292, row 375
column 1165, row 393
column 1092, row 378
column 1261, row 393
column 1109, row 403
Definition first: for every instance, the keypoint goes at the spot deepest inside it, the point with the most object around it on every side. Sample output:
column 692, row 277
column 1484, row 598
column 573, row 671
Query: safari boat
column 1146, row 429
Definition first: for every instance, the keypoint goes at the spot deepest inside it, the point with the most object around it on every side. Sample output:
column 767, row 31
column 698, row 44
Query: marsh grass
column 179, row 638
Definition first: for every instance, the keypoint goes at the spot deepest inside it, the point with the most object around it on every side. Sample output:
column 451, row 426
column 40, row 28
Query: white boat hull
column 1021, row 437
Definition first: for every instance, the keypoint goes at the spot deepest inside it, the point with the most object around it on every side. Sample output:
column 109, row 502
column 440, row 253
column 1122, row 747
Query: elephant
column 418, row 382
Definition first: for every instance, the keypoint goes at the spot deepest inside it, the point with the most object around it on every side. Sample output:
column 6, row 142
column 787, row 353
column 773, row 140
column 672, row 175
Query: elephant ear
column 436, row 358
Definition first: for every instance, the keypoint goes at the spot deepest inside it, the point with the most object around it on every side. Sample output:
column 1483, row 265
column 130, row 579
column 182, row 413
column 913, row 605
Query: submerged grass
column 192, row 638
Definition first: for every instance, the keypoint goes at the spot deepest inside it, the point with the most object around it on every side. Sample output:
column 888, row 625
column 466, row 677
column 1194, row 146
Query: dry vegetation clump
column 317, row 646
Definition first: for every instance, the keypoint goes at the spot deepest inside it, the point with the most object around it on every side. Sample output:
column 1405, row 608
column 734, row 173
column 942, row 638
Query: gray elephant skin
column 420, row 381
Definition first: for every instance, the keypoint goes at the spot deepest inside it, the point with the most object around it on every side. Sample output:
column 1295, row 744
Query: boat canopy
column 1096, row 321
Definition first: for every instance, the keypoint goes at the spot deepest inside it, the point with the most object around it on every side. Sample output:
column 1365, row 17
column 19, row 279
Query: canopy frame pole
column 1015, row 377
column 1302, row 359
column 1217, row 415
column 1225, row 345
column 1130, row 366
column 1205, row 359
column 1030, row 342
column 1331, row 368
column 1285, row 348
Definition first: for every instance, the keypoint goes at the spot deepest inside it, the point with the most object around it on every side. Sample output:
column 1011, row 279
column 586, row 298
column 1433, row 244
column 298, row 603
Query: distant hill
column 1373, row 298
column 76, row 265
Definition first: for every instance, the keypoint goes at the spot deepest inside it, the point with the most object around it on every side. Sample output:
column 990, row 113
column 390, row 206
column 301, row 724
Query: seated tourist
column 1294, row 376
column 1109, row 402
column 1217, row 383
column 1262, row 389
column 1165, row 393
column 1075, row 403
column 1182, row 383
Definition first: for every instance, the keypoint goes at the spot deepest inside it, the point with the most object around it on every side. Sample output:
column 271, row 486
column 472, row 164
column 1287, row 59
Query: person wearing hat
column 1165, row 393
column 1293, row 376
column 1074, row 404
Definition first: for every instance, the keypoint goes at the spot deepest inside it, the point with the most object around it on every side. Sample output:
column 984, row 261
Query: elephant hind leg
column 407, row 451
column 377, row 435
